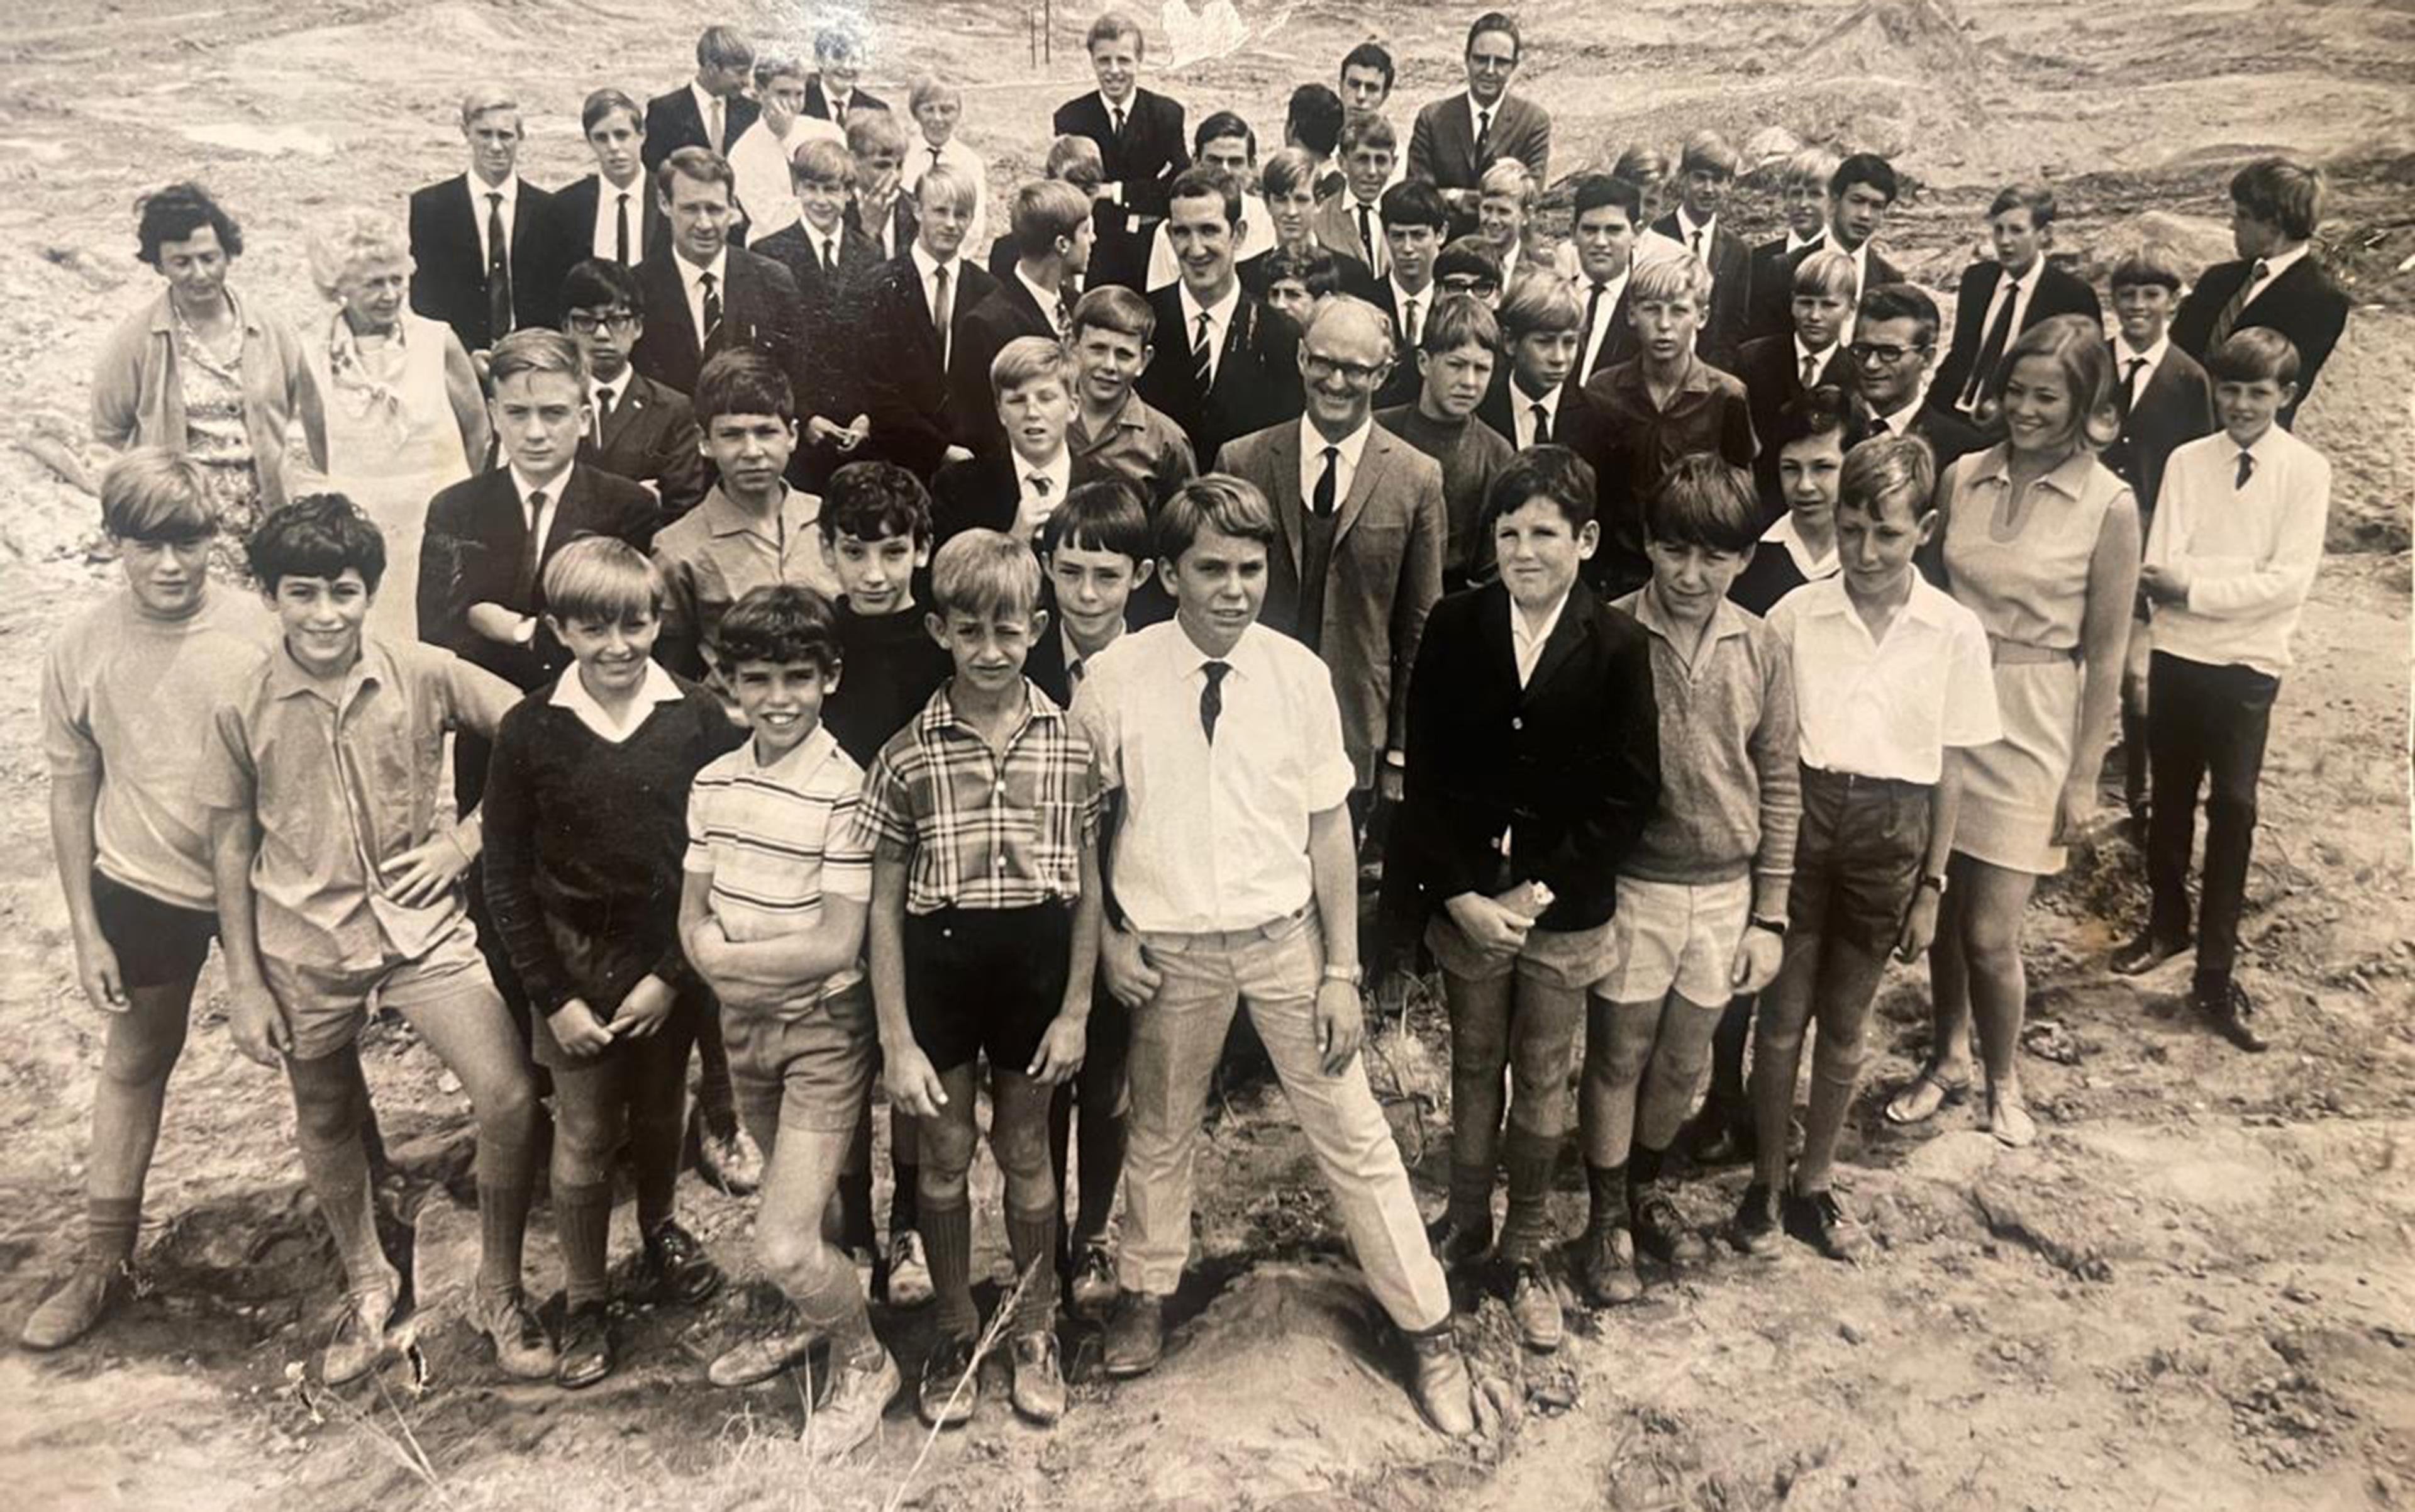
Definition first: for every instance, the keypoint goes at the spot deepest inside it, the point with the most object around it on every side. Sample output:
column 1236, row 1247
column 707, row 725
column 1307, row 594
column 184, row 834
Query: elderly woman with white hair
column 404, row 414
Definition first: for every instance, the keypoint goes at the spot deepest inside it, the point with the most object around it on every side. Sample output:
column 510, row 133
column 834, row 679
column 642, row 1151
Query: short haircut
column 154, row 495
column 869, row 132
column 701, row 164
column 2289, row 195
column 535, row 349
column 741, row 381
column 1509, row 179
column 602, row 579
column 1596, row 190
column 353, row 238
column 1811, row 167
column 1458, row 320
column 1223, row 124
column 838, row 39
column 1369, row 130
column 1704, row 501
column 1104, row 515
column 771, row 65
column 607, row 102
column 780, row 624
column 1287, row 170
column 600, row 283
column 1864, row 168
column 942, row 185
column 874, row 500
column 175, row 214
column 1044, row 210
column 1413, row 202
column 1548, row 471
column 1889, row 467
column 723, row 47
column 1641, row 165
column 2076, row 345
column 484, row 98
column 1113, row 307
column 1540, row 304
column 930, row 89
column 2030, row 195
column 1706, row 151
column 1901, row 302
column 2147, row 262
column 1827, row 271
column 821, row 160
column 1112, row 25
column 1314, row 118
column 1494, row 20
column 1470, row 256
column 1201, row 182
column 1216, row 502
column 1076, row 160
column 1368, row 55
column 1028, row 359
column 2252, row 355
column 1669, row 278
column 1306, row 265
column 317, row 535
column 985, row 573
column 1818, row 412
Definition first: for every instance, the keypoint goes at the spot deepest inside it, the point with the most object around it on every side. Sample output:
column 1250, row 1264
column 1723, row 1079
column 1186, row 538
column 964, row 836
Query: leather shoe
column 586, row 1354
column 1135, row 1335
column 1444, row 1392
column 1457, row 1244
column 2232, row 1014
column 1609, row 1266
column 1662, row 1232
column 80, row 1301
column 2145, row 951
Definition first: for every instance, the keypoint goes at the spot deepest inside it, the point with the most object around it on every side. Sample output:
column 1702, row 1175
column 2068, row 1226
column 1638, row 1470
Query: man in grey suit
column 1363, row 527
column 1456, row 138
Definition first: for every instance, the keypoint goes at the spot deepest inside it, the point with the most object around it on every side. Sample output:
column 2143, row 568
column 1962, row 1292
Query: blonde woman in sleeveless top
column 2041, row 542
column 405, row 416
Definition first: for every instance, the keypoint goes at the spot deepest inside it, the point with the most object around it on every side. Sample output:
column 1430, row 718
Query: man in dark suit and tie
column 704, row 295
column 910, row 326
column 1140, row 134
column 1051, row 228
column 1604, row 219
column 485, row 245
column 2000, row 298
column 1860, row 192
column 612, row 213
column 1222, row 363
column 1456, row 138
column 1363, row 525
column 1895, row 341
column 2276, row 205
column 636, row 428
column 831, row 94
column 711, row 110
column 1705, row 167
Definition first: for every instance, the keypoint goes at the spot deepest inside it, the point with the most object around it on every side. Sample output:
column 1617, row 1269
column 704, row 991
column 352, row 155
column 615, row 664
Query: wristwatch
column 1354, row 976
column 1776, row 926
column 1934, row 879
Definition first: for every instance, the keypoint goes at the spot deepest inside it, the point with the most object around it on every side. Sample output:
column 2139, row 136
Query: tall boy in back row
column 2275, row 207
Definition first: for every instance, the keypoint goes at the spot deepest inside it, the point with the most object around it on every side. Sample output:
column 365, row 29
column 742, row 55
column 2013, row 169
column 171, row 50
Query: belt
column 2023, row 654
column 1853, row 782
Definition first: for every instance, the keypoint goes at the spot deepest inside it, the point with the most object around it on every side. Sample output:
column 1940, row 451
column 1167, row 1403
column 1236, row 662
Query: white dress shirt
column 1827, row 358
column 1345, row 466
column 958, row 159
column 1049, row 300
column 1213, row 836
column 2017, row 288
column 1521, row 412
column 540, row 522
column 1409, row 328
column 1886, row 708
column 2274, row 265
column 1220, row 324
column 1604, row 315
column 2250, row 551
column 926, row 269
column 479, row 204
column 1526, row 645
column 1690, row 232
column 692, row 279
column 604, row 243
column 602, row 397
column 660, row 687
column 2125, row 354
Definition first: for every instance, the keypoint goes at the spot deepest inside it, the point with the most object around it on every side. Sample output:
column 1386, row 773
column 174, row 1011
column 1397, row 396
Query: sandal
column 1923, row 1096
column 2009, row 1121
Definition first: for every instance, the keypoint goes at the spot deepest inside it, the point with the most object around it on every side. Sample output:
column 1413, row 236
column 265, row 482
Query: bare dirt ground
column 2196, row 1291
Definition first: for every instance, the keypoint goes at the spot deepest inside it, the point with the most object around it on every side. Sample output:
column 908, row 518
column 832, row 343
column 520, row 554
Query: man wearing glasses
column 1895, row 341
column 636, row 428
column 1456, row 138
column 1362, row 528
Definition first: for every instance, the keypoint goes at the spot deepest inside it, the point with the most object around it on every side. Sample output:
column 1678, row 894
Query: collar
column 1826, row 598
column 554, row 489
column 1825, row 353
column 1049, row 300
column 690, row 273
column 799, row 512
column 1127, row 106
column 831, row 96
column 797, row 765
column 622, row 385
column 164, row 316
column 509, row 189
column 1542, row 633
column 2022, row 282
column 925, row 266
column 1495, row 108
column 2278, row 264
column 570, row 692
column 1687, row 226
column 1726, row 618
column 1796, row 244
column 1696, row 379
column 287, row 678
column 2125, row 354
column 1785, row 535
column 1610, row 287
column 1353, row 446
column 1522, row 402
column 1220, row 312
column 1400, row 295
column 2069, row 477
column 2265, row 444
column 704, row 100
column 1899, row 421
column 941, row 713
column 1247, row 657
column 1058, row 469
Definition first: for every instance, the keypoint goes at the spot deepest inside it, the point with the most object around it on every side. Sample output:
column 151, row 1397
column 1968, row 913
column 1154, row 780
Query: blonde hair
column 1828, row 271
column 2076, row 345
column 942, row 180
column 985, row 573
column 484, row 98
column 150, row 494
column 352, row 238
column 602, row 579
column 1670, row 278
column 1028, row 359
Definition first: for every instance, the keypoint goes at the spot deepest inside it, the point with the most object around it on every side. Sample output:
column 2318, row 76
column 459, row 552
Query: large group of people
column 717, row 614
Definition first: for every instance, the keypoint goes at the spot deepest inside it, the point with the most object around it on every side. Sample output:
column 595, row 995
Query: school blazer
column 672, row 122
column 1381, row 580
column 1731, row 263
column 1335, row 225
column 2176, row 405
column 2058, row 292
column 1007, row 312
column 1403, row 383
column 472, row 551
column 448, row 280
column 758, row 309
column 651, row 437
column 1771, row 381
column 905, row 223
column 1569, row 764
column 1441, row 144
column 828, row 324
column 1145, row 160
column 906, row 380
column 1579, row 424
column 573, row 207
column 1772, row 311
column 981, row 494
column 1257, row 373
column 817, row 104
column 2302, row 304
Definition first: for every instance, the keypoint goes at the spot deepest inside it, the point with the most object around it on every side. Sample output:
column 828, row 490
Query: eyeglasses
column 1493, row 62
column 1358, row 375
column 587, row 325
column 1866, row 353
column 1468, row 283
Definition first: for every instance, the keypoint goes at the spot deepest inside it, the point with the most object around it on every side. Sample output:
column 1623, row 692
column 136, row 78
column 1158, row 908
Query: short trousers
column 1570, row 958
column 1680, row 935
column 325, row 1007
column 985, row 980
column 1857, row 860
column 602, row 969
column 157, row 944
column 810, row 1071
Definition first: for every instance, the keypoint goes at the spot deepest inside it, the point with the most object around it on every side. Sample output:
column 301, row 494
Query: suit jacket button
column 1517, row 723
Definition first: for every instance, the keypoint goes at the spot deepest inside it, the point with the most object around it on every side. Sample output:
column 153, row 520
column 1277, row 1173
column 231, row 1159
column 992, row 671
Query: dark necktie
column 1409, row 326
column 1483, row 137
column 499, row 270
column 1367, row 238
column 2129, row 395
column 2247, row 469
column 1327, row 481
column 1810, row 371
column 838, row 112
column 603, row 413
column 1542, row 425
column 1203, row 356
column 620, row 238
column 1039, row 482
column 1211, row 695
column 1116, row 114
column 1065, row 311
column 935, row 157
column 2230, row 316
column 1991, row 350
column 1879, row 425
column 1696, row 240
column 532, row 551
column 1593, row 312
column 712, row 307
column 939, row 310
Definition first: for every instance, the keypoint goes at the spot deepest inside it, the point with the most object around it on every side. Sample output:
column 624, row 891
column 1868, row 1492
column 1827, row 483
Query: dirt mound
column 1926, row 41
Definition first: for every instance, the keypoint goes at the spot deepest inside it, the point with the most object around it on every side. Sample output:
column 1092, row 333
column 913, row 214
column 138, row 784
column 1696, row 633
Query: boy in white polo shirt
column 1889, row 673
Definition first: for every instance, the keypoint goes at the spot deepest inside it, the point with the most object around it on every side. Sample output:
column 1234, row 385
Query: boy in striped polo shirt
column 773, row 913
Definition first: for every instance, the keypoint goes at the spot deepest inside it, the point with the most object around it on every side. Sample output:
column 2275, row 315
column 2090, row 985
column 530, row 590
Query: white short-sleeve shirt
column 1886, row 708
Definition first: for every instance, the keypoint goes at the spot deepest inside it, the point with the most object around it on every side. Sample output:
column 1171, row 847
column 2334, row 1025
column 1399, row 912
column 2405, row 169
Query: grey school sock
column 582, row 1219
column 506, row 1185
column 339, row 1175
column 948, row 1243
column 1032, row 1239
column 1527, row 1230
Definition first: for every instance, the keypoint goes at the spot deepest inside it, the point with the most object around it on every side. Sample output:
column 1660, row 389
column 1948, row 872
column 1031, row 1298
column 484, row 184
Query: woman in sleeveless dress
column 2041, row 542
column 405, row 417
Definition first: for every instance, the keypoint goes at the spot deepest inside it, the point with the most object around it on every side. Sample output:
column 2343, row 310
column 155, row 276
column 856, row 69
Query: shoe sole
column 1130, row 1370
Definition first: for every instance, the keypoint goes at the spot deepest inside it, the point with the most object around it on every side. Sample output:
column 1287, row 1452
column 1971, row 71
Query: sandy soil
column 2194, row 1291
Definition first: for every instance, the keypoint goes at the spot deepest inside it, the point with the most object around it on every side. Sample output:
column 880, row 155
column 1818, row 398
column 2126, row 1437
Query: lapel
column 667, row 295
column 526, row 213
column 1372, row 459
column 633, row 403
column 1574, row 628
column 1455, row 136
column 2281, row 290
column 1290, row 508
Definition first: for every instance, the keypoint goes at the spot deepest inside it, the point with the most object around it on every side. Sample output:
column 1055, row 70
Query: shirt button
column 1517, row 723
column 1000, row 788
